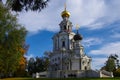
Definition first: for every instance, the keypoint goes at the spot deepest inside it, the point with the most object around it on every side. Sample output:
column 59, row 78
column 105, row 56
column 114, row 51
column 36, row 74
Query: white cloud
column 47, row 19
column 112, row 48
column 86, row 12
column 91, row 41
column 29, row 56
column 93, row 14
column 97, row 63
column 107, row 49
column 115, row 35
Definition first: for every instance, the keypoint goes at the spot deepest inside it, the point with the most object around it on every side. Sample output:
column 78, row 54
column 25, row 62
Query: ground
column 62, row 79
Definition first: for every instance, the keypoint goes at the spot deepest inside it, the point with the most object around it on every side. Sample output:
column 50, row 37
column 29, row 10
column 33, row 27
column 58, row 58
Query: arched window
column 64, row 27
column 63, row 44
column 55, row 44
column 85, row 67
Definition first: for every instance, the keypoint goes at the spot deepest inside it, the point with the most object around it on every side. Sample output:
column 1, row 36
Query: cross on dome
column 77, row 26
column 65, row 13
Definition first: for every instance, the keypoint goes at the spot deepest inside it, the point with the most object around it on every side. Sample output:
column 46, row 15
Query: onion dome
column 77, row 37
column 65, row 14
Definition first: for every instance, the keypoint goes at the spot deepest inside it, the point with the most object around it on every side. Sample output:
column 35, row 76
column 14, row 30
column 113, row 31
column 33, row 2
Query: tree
column 21, row 70
column 110, row 65
column 31, row 66
column 19, row 5
column 12, row 37
column 39, row 64
column 116, row 60
column 117, row 72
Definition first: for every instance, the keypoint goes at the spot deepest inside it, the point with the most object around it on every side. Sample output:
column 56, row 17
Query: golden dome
column 65, row 14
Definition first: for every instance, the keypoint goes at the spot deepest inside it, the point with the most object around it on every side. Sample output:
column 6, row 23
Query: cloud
column 115, row 33
column 97, row 63
column 47, row 19
column 29, row 56
column 92, row 14
column 86, row 12
column 91, row 41
column 107, row 49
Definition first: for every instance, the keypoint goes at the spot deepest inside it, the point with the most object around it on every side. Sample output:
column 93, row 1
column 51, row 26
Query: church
column 68, row 58
column 68, row 52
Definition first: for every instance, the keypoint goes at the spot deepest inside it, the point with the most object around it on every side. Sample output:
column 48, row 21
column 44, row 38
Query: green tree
column 117, row 72
column 31, row 66
column 12, row 38
column 46, row 63
column 21, row 70
column 19, row 5
column 112, row 63
column 39, row 64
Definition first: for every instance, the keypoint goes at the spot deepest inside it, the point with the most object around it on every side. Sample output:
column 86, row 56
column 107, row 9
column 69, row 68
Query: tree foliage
column 37, row 64
column 117, row 72
column 21, row 70
column 19, row 5
column 112, row 65
column 12, row 39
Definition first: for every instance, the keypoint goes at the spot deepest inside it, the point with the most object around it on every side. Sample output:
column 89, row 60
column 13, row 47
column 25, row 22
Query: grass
column 61, row 79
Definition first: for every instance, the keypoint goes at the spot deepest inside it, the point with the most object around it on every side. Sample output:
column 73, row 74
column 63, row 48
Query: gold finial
column 65, row 13
column 65, row 6
column 77, row 26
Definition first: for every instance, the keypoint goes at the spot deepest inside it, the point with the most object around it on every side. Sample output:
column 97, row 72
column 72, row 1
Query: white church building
column 68, row 58
column 68, row 52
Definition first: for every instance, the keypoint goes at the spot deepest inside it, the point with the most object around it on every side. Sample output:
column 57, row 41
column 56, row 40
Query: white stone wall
column 73, row 73
column 75, row 65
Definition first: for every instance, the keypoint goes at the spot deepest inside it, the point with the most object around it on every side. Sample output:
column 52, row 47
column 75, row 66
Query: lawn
column 61, row 79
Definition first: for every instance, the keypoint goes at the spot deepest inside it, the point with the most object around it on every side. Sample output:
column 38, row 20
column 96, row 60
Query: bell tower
column 65, row 24
column 64, row 38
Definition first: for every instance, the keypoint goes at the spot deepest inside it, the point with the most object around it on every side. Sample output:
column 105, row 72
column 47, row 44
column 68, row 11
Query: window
column 85, row 67
column 83, row 62
column 55, row 59
column 88, row 62
column 64, row 27
column 55, row 44
column 58, row 58
column 63, row 44
column 68, row 28
column 67, row 68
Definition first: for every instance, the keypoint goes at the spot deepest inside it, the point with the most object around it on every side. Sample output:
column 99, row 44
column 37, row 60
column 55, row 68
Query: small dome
column 65, row 14
column 77, row 37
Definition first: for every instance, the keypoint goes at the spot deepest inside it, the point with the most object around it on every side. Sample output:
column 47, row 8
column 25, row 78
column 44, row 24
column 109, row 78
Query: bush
column 117, row 72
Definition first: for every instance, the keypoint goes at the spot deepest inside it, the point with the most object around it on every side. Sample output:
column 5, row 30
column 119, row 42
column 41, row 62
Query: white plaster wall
column 75, row 65
column 65, row 36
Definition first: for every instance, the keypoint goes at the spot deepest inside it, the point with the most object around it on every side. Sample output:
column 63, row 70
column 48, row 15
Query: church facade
column 68, row 52
column 68, row 58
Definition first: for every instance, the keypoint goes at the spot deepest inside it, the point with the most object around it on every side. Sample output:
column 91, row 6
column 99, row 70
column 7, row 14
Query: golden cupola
column 65, row 13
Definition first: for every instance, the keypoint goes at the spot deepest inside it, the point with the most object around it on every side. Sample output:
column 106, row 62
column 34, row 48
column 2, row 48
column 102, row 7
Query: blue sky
column 99, row 22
